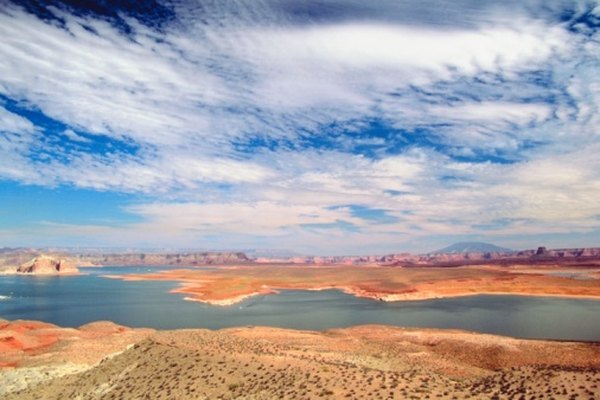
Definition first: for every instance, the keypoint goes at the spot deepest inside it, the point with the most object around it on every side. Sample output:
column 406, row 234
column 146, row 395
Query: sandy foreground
column 107, row 361
column 227, row 286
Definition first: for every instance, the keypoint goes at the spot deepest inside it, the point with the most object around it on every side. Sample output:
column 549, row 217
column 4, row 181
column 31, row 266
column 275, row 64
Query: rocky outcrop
column 163, row 259
column 9, row 260
column 46, row 265
column 540, row 255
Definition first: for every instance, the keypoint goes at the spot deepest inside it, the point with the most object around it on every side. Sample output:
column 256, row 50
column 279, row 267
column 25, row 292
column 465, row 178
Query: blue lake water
column 76, row 300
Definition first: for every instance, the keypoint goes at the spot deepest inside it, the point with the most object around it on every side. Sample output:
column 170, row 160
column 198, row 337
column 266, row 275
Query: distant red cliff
column 540, row 255
column 12, row 261
column 158, row 259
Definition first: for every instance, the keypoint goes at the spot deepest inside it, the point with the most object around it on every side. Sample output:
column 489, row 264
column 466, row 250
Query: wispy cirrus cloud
column 265, row 119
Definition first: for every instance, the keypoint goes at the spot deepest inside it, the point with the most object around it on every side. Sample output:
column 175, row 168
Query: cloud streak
column 238, row 120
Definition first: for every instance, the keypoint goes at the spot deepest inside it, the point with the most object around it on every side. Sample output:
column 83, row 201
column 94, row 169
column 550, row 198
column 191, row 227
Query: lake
column 76, row 300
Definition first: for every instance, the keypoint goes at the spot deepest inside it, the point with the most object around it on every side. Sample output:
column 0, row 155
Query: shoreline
column 226, row 287
column 98, row 329
column 222, row 302
column 388, row 298
column 12, row 273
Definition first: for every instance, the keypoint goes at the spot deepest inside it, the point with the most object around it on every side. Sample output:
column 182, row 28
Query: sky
column 323, row 127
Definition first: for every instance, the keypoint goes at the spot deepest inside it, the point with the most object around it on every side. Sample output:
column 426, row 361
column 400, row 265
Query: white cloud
column 13, row 123
column 490, row 112
column 17, row 135
column 364, row 46
column 73, row 136
column 256, row 218
column 102, row 83
column 181, row 98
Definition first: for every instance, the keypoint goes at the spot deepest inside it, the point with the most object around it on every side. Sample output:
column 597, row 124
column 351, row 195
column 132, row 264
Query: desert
column 105, row 361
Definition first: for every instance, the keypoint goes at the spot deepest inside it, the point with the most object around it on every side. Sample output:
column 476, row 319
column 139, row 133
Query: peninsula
column 226, row 286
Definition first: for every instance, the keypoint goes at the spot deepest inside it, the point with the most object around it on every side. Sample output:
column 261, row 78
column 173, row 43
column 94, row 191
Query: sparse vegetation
column 356, row 363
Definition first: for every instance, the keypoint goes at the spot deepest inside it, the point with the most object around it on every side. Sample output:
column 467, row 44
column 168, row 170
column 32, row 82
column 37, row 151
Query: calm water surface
column 76, row 300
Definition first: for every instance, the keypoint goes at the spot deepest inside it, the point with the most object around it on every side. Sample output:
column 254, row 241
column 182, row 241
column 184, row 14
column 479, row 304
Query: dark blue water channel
column 76, row 300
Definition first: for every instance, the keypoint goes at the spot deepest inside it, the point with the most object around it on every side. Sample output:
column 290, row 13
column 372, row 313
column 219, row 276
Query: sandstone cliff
column 159, row 259
column 540, row 255
column 46, row 265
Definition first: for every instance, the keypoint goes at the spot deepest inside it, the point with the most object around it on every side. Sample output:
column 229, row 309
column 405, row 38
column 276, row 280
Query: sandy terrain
column 42, row 351
column 365, row 362
column 226, row 286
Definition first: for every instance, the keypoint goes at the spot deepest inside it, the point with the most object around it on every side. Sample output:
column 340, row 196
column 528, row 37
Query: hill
column 364, row 362
column 472, row 247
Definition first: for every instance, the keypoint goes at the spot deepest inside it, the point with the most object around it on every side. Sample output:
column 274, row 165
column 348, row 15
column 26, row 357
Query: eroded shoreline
column 225, row 287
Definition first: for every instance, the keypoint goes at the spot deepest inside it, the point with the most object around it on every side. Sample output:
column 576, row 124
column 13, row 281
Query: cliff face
column 45, row 265
column 183, row 259
column 576, row 255
column 562, row 253
column 9, row 260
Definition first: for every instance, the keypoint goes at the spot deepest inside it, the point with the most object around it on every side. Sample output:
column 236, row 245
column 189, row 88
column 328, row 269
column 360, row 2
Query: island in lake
column 538, row 272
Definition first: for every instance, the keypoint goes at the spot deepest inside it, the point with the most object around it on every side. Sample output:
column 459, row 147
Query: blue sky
column 326, row 127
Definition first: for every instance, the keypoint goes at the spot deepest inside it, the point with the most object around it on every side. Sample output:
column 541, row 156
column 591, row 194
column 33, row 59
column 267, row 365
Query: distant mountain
column 472, row 247
column 270, row 253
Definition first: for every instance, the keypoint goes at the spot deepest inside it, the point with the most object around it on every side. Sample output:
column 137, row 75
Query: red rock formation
column 48, row 265
column 161, row 259
column 577, row 255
